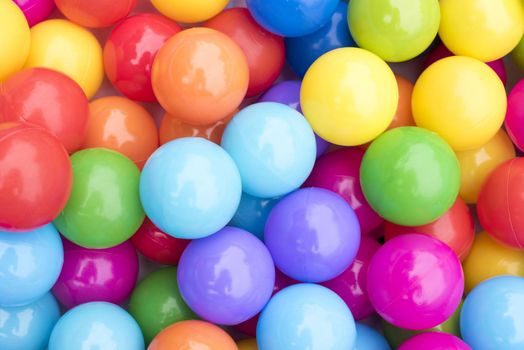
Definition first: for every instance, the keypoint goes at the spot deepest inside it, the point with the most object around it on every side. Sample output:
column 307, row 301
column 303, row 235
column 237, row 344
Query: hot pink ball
column 36, row 11
column 515, row 115
column 351, row 285
column 415, row 281
column 96, row 274
column 434, row 341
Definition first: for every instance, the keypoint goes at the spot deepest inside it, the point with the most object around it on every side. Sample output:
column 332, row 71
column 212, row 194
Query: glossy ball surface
column 95, row 13
column 36, row 11
column 15, row 37
column 515, row 115
column 189, row 12
column 434, row 341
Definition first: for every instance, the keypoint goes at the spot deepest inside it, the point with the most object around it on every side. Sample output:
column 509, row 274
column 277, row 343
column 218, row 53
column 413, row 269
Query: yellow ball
column 190, row 11
column 461, row 99
column 483, row 29
column 489, row 258
column 68, row 48
column 247, row 344
column 477, row 164
column 15, row 39
column 349, row 96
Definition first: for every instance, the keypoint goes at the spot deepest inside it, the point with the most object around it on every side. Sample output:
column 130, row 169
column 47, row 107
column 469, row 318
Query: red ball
column 35, row 176
column 130, row 50
column 95, row 13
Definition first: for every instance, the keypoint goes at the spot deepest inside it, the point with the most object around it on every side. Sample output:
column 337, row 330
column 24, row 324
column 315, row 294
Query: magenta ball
column 36, row 11
column 96, row 274
column 415, row 281
column 351, row 285
column 434, row 341
column 313, row 235
column 515, row 115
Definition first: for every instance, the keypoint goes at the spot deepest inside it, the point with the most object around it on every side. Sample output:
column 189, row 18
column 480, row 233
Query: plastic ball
column 339, row 94
column 156, row 303
column 36, row 11
column 15, row 38
column 36, row 177
column 30, row 263
column 434, row 341
column 190, row 188
column 104, row 207
column 404, row 115
column 369, row 339
column 273, row 147
column 491, row 317
column 252, row 214
column 292, row 18
column 189, row 12
column 415, row 281
column 483, row 29
column 49, row 99
column 250, row 273
column 95, row 13
column 306, row 316
column 247, row 344
column 515, row 115
column 96, row 325
column 68, row 48
column 396, row 31
column 29, row 326
column 410, row 176
column 130, row 50
column 518, row 54
column 96, row 274
column 204, row 67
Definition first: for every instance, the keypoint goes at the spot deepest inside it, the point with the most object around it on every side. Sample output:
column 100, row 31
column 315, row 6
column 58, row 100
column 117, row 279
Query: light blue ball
column 28, row 327
column 30, row 263
column 190, row 188
column 96, row 325
column 252, row 214
column 306, row 316
column 369, row 339
column 273, row 146
column 492, row 316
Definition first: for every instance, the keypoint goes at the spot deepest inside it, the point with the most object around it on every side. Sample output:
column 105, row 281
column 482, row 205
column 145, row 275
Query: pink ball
column 515, row 115
column 96, row 274
column 36, row 11
column 434, row 341
column 351, row 285
column 415, row 281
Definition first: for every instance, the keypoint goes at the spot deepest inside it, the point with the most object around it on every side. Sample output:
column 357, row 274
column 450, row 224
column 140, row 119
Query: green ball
column 410, row 176
column 156, row 303
column 104, row 207
column 518, row 54
column 395, row 30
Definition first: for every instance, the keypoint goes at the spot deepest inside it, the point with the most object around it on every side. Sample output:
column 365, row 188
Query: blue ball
column 252, row 214
column 96, row 325
column 306, row 316
column 302, row 51
column 369, row 339
column 292, row 17
column 492, row 316
column 190, row 188
column 30, row 263
column 273, row 146
column 29, row 326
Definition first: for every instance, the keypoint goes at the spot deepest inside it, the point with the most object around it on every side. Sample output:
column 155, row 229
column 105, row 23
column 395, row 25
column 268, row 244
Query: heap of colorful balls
column 261, row 167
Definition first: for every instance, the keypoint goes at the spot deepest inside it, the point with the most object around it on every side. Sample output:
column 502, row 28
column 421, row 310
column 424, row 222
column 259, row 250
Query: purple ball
column 226, row 278
column 36, row 11
column 313, row 235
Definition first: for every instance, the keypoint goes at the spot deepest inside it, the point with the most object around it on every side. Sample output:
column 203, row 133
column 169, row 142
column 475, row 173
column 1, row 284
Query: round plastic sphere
column 265, row 52
column 35, row 178
column 415, row 281
column 36, row 11
column 203, row 66
column 190, row 12
column 130, row 50
column 250, row 273
column 252, row 214
column 404, row 115
column 462, row 100
column 122, row 125
column 193, row 334
column 29, row 326
column 247, row 344
column 96, row 325
column 15, row 38
column 477, row 164
column 104, row 207
column 351, row 285
column 96, row 274
column 273, row 147
column 455, row 228
column 491, row 317
column 434, row 341
column 489, row 31
column 49, row 99
column 369, row 339
column 396, row 31
column 156, row 303
column 515, row 115
column 410, row 176
column 30, row 263
column 95, row 13
column 70, row 49
column 293, row 17
column 190, row 188
column 339, row 94
column 306, row 316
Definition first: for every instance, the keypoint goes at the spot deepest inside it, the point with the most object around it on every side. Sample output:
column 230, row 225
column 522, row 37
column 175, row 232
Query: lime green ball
column 104, row 207
column 518, row 54
column 395, row 30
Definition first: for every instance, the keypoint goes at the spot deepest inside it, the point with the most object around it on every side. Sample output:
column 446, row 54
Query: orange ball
column 95, row 13
column 121, row 125
column 403, row 116
column 200, row 75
